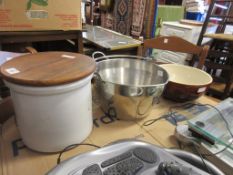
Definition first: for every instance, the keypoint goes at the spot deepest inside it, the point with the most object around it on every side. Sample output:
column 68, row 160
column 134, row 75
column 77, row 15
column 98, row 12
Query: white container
column 51, row 117
column 187, row 32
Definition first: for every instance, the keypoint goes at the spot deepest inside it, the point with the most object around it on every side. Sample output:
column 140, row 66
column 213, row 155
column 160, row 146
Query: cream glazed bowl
column 186, row 83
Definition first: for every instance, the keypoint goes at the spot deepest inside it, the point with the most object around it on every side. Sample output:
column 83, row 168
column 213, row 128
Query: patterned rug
column 138, row 17
column 123, row 16
column 150, row 18
column 107, row 20
column 132, row 17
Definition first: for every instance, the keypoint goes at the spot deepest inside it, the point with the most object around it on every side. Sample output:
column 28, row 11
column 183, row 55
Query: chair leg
column 227, row 90
column 6, row 109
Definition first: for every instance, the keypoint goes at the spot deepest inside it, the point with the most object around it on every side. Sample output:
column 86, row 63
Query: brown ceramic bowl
column 185, row 83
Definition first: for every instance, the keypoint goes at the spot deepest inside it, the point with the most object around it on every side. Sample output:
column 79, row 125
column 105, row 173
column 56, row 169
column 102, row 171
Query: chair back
column 176, row 44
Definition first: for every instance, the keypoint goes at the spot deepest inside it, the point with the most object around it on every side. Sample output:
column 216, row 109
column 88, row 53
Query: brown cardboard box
column 17, row 159
column 31, row 15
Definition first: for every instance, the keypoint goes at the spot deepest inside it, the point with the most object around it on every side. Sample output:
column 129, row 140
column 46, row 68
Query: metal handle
column 139, row 93
column 31, row 49
column 109, row 57
column 125, row 56
column 97, row 52
column 97, row 76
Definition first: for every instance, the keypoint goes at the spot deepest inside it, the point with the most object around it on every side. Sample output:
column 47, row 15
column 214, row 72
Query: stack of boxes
column 195, row 9
column 40, row 15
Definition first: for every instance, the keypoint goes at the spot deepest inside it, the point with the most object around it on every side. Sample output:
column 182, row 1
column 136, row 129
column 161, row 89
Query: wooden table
column 5, row 56
column 110, row 41
column 17, row 159
column 220, row 36
column 36, row 36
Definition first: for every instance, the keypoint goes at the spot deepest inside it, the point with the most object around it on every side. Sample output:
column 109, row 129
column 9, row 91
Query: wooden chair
column 176, row 44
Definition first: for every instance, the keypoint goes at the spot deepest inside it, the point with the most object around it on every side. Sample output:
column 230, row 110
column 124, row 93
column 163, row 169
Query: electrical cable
column 227, row 126
column 170, row 114
column 224, row 149
column 150, row 122
column 73, row 146
column 187, row 106
column 202, row 159
column 221, row 115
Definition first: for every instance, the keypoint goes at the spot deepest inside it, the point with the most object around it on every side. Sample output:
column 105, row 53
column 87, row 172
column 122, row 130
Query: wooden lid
column 47, row 68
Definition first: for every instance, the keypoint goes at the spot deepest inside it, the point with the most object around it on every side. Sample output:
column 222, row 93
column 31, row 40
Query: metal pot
column 127, row 86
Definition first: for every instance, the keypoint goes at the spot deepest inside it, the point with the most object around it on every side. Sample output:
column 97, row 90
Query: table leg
column 79, row 42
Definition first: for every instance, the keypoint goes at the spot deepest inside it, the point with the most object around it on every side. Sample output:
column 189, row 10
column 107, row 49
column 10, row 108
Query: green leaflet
column 40, row 2
column 29, row 5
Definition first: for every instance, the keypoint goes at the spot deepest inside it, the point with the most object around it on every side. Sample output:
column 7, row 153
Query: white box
column 188, row 32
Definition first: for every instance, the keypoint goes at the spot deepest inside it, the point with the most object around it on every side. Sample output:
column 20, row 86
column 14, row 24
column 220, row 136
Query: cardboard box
column 18, row 159
column 31, row 15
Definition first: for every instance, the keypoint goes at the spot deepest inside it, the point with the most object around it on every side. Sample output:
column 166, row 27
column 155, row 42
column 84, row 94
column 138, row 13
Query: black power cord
column 171, row 114
column 150, row 122
column 202, row 159
column 227, row 126
column 73, row 146
column 187, row 106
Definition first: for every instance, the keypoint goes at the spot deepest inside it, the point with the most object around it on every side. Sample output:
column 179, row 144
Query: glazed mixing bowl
column 127, row 86
column 186, row 83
